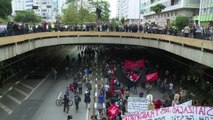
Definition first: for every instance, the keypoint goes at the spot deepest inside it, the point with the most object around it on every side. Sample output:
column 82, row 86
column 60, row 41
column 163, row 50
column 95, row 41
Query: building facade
column 205, row 17
column 43, row 8
column 18, row 5
column 118, row 9
column 129, row 10
column 173, row 9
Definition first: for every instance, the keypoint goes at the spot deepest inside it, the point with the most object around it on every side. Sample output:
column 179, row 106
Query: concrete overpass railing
column 197, row 50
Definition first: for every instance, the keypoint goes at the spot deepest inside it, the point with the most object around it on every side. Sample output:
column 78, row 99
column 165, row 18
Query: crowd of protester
column 115, row 90
column 193, row 31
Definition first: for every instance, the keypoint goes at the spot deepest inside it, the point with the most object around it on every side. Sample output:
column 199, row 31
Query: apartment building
column 18, row 5
column 205, row 17
column 173, row 9
column 129, row 9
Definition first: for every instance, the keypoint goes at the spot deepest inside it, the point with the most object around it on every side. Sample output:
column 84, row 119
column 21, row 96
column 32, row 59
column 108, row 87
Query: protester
column 101, row 100
column 87, row 98
column 77, row 100
column 66, row 104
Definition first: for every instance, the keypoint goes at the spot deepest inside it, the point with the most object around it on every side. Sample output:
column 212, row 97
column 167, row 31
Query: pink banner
column 133, row 64
column 152, row 77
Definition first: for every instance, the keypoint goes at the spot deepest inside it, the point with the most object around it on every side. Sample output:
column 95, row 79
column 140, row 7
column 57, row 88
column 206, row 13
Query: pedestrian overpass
column 198, row 50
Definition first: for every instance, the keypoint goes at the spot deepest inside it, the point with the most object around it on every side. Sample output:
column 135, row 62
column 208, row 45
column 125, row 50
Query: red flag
column 152, row 77
column 113, row 111
column 133, row 64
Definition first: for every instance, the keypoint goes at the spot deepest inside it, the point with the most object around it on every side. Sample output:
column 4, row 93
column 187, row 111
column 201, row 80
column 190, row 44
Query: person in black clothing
column 87, row 98
column 75, row 85
column 66, row 103
column 77, row 99
column 69, row 117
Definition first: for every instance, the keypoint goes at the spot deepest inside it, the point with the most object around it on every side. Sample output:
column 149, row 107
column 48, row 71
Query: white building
column 61, row 5
column 18, row 5
column 44, row 9
column 129, row 9
column 173, row 9
column 119, row 7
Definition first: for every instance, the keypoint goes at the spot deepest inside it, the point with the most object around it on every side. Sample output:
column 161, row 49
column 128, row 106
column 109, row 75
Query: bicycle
column 60, row 101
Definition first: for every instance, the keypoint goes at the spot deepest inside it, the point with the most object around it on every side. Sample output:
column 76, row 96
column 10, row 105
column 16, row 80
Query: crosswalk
column 16, row 95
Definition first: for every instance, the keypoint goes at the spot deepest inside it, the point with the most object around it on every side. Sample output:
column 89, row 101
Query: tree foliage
column 181, row 22
column 27, row 16
column 5, row 8
column 158, row 8
column 122, row 20
column 74, row 15
column 105, row 11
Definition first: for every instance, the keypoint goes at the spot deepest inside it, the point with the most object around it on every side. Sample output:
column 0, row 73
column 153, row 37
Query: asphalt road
column 34, row 99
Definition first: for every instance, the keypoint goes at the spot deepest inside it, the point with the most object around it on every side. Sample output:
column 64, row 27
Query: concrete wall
column 196, row 55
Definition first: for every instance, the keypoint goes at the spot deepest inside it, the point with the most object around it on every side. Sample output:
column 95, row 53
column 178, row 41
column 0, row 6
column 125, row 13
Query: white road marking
column 14, row 99
column 96, row 86
column 37, row 86
column 96, row 94
column 17, row 82
column 6, row 109
column 95, row 105
column 20, row 91
column 59, row 95
column 27, row 86
column 96, row 79
column 10, row 88
column 87, row 115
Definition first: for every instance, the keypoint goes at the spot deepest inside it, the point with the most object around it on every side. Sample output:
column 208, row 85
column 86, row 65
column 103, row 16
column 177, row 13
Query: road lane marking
column 27, row 86
column 17, row 82
column 87, row 115
column 59, row 95
column 95, row 105
column 10, row 88
column 14, row 99
column 37, row 86
column 6, row 109
column 20, row 91
column 96, row 94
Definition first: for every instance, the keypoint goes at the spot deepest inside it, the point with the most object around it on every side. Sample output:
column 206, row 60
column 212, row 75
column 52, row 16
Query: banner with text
column 174, row 113
column 137, row 104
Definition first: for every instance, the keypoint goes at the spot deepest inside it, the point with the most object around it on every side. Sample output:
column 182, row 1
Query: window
column 171, row 13
column 168, row 14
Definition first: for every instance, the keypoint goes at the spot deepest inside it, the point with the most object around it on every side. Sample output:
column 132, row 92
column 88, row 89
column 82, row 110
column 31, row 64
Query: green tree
column 5, row 8
column 181, row 22
column 158, row 8
column 74, row 15
column 27, row 16
column 105, row 11
column 122, row 20
column 58, row 17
